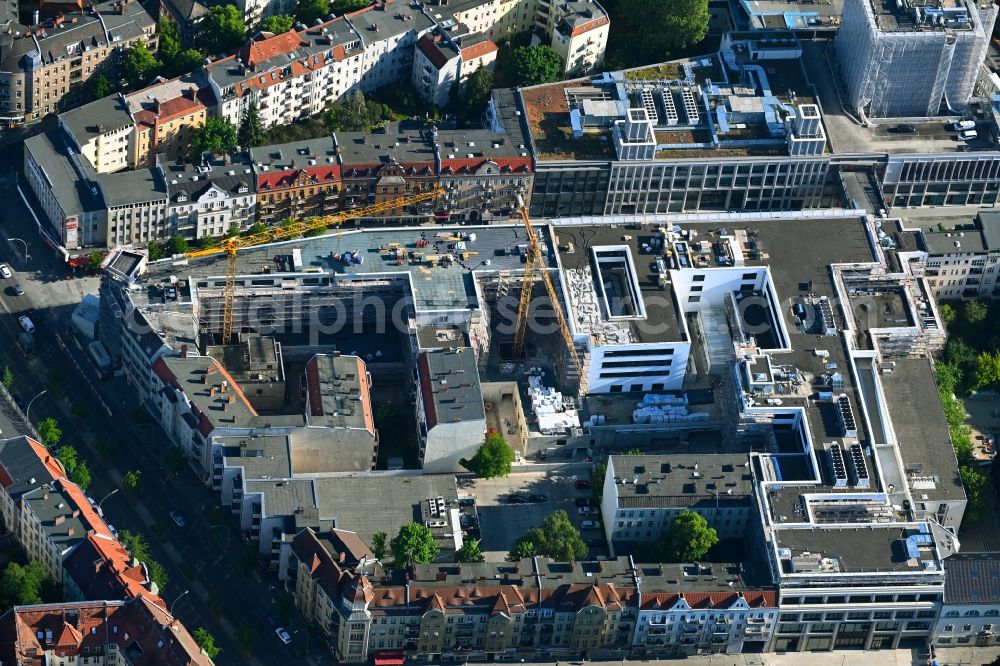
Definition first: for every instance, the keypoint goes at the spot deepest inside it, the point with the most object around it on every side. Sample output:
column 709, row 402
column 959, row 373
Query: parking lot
column 502, row 523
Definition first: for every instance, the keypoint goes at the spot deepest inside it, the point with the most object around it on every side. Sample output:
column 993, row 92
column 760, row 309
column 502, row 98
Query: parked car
column 967, row 135
column 905, row 128
column 963, row 125
column 18, row 290
column 538, row 497
column 5, row 271
column 590, row 524
column 114, row 532
column 283, row 634
column 26, row 324
column 585, row 510
column 517, row 498
column 583, row 501
column 582, row 483
column 594, row 541
column 178, row 518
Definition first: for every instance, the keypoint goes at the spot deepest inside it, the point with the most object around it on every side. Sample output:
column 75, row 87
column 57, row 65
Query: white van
column 963, row 125
column 967, row 135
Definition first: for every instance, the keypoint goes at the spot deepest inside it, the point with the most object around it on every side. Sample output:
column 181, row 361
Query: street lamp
column 99, row 512
column 171, row 610
column 27, row 412
column 27, row 257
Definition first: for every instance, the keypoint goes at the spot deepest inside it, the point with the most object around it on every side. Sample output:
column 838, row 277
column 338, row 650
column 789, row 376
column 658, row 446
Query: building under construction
column 912, row 58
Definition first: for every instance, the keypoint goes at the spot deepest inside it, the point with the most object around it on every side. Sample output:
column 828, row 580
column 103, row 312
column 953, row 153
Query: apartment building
column 165, row 114
column 101, row 568
column 579, row 33
column 45, row 67
column 970, row 608
column 136, row 206
column 257, row 364
column 447, row 58
column 48, row 514
column 642, row 494
column 962, row 261
column 214, row 198
column 102, row 132
column 297, row 180
column 451, row 419
column 103, row 633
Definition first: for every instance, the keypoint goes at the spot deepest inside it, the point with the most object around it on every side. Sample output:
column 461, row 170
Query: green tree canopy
column 472, row 99
column 131, row 481
column 99, row 87
column 557, row 538
column 493, row 459
column 206, row 642
column 176, row 245
column 341, row 7
column 978, row 490
column 661, row 27
column 948, row 313
column 413, row 543
column 251, row 132
column 8, row 377
column 139, row 65
column 188, row 60
column 307, row 11
column 355, row 114
column 379, row 545
column 469, row 552
column 222, row 30
column 49, row 431
column 215, row 136
column 522, row 547
column 536, row 64
column 687, row 539
column 278, row 24
column 988, row 370
column 976, row 311
column 25, row 584
column 169, row 39
column 94, row 261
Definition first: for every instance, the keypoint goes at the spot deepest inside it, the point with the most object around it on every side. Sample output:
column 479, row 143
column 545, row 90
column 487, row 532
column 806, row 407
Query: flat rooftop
column 587, row 304
column 777, row 15
column 922, row 431
column 449, row 384
column 866, row 549
column 680, row 480
column 348, row 501
column 338, row 391
column 436, row 286
column 261, row 457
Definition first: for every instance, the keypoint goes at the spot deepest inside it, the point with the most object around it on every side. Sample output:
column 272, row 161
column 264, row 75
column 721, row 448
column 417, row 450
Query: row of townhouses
column 113, row 613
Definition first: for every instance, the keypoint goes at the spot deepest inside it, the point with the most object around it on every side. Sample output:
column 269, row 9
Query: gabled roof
column 265, row 45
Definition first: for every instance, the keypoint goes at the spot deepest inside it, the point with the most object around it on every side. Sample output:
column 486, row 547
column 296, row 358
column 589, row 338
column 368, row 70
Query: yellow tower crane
column 535, row 261
column 233, row 245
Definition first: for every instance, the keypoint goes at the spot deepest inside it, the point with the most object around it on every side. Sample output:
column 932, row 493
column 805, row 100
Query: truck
column 960, row 125
column 101, row 358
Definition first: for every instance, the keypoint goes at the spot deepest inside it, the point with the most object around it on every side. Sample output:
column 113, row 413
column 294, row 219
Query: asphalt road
column 227, row 591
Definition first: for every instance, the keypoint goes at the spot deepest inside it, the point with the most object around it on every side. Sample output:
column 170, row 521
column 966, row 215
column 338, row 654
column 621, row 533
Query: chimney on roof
column 69, row 532
column 76, row 513
column 211, row 391
column 184, row 351
column 45, row 495
column 342, row 557
column 60, row 519
column 232, row 399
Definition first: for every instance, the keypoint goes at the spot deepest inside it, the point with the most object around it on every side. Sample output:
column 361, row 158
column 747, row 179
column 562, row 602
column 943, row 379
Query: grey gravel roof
column 70, row 176
column 90, row 120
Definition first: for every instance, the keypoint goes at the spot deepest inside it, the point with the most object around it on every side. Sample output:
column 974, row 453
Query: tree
column 597, row 481
column 139, row 549
column 67, row 456
column 222, row 30
column 186, row 61
column 413, row 543
column 278, row 24
column 661, row 27
column 206, row 642
column 176, row 245
column 522, row 547
column 131, row 481
column 8, row 377
column 378, row 545
column 251, row 131
column 987, row 370
column 977, row 489
column 155, row 251
column 49, row 431
column 307, row 11
column 341, row 7
column 139, row 65
column 472, row 99
column 169, row 39
column 557, row 538
column 81, row 475
column 687, row 539
column 24, row 584
column 215, row 136
column 99, row 87
column 469, row 552
column 355, row 114
column 493, row 459
column 94, row 261
column 976, row 311
column 536, row 64
column 948, row 313
column 634, row 452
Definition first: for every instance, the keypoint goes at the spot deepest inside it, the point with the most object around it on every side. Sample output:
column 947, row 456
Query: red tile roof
column 259, row 50
column 478, row 50
column 278, row 180
column 590, row 25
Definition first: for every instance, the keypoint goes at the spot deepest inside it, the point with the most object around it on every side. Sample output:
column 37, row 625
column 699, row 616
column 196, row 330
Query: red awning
column 389, row 658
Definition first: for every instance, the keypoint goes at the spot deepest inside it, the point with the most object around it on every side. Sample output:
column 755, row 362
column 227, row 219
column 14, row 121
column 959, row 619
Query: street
column 228, row 592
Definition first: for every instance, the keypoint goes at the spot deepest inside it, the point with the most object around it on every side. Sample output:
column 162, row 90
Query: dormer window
column 243, row 189
column 181, row 198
